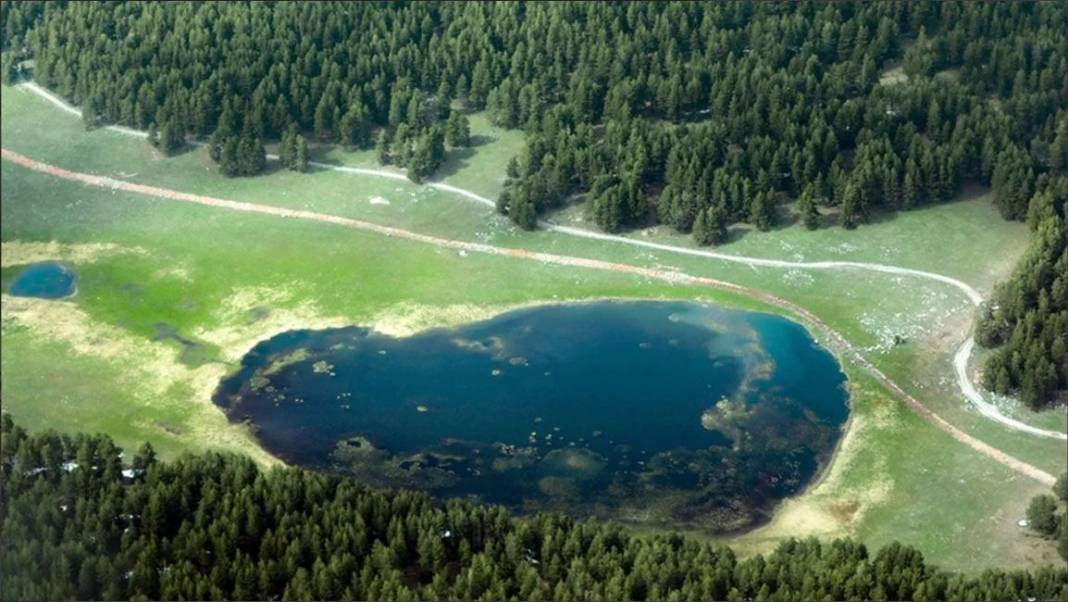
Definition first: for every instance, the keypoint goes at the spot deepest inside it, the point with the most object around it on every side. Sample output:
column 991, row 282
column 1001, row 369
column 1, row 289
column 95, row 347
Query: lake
column 666, row 413
column 47, row 280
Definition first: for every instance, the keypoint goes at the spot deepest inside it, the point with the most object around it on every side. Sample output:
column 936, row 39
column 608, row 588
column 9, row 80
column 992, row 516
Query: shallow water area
column 45, row 280
column 666, row 413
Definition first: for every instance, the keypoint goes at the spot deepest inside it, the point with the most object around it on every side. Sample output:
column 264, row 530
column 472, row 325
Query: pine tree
column 762, row 211
column 848, row 215
column 251, row 156
column 324, row 122
column 461, row 90
column 504, row 202
column 416, row 116
column 228, row 157
column 428, row 155
column 810, row 215
column 512, row 170
column 457, row 130
column 215, row 146
column 354, row 131
column 910, row 193
column 173, row 138
column 1041, row 514
column 8, row 69
column 402, row 149
column 421, row 162
column 91, row 112
column 382, row 144
column 710, row 226
column 145, row 457
column 523, row 213
column 300, row 161
column 287, row 150
column 435, row 139
column 702, row 230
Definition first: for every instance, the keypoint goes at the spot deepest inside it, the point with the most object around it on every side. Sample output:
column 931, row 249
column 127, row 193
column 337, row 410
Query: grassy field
column 225, row 280
column 945, row 239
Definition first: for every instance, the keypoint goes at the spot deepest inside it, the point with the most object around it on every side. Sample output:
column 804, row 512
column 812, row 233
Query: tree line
column 82, row 521
column 693, row 115
column 240, row 75
column 654, row 112
column 1026, row 320
column 742, row 107
column 1045, row 518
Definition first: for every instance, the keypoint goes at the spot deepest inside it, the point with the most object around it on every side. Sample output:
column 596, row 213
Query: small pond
column 666, row 413
column 47, row 280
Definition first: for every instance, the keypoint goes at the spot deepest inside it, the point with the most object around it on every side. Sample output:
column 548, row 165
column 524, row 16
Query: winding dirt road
column 960, row 360
column 549, row 258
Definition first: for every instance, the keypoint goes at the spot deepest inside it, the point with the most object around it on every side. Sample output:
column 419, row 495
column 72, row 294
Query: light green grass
column 480, row 168
column 940, row 495
column 81, row 392
column 946, row 238
column 350, row 275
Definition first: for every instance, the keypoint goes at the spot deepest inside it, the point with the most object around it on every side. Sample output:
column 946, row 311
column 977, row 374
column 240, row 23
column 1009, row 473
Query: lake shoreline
column 699, row 310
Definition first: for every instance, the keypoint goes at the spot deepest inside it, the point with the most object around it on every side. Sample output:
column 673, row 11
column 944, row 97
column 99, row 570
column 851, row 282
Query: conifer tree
column 172, row 138
column 354, row 131
column 762, row 211
column 457, row 130
column 702, row 228
column 300, row 161
column 810, row 215
column 287, row 151
column 710, row 226
column 382, row 146
column 8, row 70
column 91, row 112
column 251, row 156
column 848, row 216
column 228, row 157
column 523, row 213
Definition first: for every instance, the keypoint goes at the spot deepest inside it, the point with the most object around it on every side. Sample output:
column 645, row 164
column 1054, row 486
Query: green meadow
column 223, row 280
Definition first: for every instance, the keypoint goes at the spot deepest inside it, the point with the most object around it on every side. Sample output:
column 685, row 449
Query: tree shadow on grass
column 480, row 140
column 970, row 191
column 322, row 166
column 455, row 160
column 273, row 166
column 735, row 233
column 320, row 153
column 185, row 149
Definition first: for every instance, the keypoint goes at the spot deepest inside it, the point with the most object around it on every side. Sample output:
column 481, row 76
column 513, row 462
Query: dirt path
column 563, row 260
column 960, row 360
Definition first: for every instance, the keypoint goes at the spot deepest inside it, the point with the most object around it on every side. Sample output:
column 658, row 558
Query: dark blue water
column 680, row 412
column 48, row 280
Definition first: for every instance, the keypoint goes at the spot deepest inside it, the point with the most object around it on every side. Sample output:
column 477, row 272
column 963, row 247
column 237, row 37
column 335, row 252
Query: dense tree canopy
column 1028, row 315
column 79, row 523
column 1043, row 515
column 694, row 115
column 658, row 111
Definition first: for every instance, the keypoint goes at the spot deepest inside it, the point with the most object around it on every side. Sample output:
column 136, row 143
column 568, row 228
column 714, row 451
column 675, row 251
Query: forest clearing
column 769, row 285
